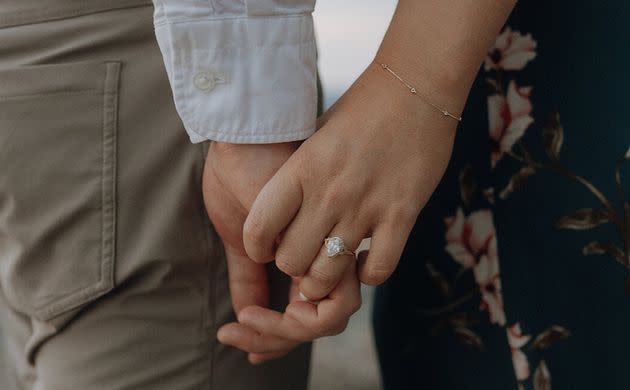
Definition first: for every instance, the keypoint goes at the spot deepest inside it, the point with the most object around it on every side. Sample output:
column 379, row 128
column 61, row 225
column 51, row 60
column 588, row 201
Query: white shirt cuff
column 242, row 79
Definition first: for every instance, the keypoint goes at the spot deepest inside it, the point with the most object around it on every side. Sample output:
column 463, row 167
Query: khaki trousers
column 111, row 275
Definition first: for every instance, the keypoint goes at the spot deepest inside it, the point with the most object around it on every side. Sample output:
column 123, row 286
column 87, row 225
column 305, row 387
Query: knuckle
column 286, row 265
column 323, row 330
column 340, row 328
column 249, row 344
column 403, row 214
column 323, row 279
column 254, row 231
column 375, row 275
column 311, row 293
column 336, row 197
column 254, row 345
column 355, row 306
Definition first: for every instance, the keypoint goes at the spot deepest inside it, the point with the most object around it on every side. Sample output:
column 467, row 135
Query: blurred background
column 348, row 35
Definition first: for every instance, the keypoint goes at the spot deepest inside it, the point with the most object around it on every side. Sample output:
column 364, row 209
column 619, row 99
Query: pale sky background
column 348, row 34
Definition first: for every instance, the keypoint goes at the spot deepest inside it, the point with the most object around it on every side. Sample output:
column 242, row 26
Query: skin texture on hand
column 380, row 152
column 368, row 171
column 233, row 174
column 232, row 177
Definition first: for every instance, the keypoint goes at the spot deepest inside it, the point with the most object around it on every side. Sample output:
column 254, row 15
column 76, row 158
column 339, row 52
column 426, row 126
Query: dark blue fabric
column 575, row 305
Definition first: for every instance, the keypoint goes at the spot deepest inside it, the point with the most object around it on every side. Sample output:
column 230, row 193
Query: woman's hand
column 377, row 157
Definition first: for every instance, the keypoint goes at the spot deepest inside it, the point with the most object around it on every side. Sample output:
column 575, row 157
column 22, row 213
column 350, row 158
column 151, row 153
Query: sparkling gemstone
column 334, row 246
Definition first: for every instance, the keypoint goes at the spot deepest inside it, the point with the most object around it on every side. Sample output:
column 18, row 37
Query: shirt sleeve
column 241, row 71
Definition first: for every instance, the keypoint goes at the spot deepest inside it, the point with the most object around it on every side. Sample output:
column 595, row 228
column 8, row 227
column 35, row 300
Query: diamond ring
column 336, row 247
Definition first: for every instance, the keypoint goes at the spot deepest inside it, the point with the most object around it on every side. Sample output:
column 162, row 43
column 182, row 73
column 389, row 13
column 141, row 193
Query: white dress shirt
column 241, row 71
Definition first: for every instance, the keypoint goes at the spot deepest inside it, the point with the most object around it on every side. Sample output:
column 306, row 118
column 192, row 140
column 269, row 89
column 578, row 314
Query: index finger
column 247, row 280
column 274, row 208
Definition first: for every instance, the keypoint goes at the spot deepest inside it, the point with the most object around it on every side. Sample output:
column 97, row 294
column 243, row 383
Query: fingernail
column 243, row 315
column 305, row 299
column 221, row 336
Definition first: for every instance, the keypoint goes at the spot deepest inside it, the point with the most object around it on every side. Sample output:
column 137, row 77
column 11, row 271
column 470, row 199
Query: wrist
column 399, row 103
column 439, row 45
column 282, row 148
column 243, row 169
column 446, row 87
column 377, row 102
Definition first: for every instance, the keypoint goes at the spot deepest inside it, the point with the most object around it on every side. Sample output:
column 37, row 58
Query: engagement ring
column 336, row 247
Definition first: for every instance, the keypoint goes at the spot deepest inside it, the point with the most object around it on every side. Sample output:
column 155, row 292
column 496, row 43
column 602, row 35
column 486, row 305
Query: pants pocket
column 58, row 125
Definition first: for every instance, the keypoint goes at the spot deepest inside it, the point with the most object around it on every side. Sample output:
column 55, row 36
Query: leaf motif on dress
column 550, row 336
column 583, row 219
column 542, row 377
column 438, row 280
column 463, row 319
column 603, row 248
column 517, row 181
column 553, row 136
column 467, row 336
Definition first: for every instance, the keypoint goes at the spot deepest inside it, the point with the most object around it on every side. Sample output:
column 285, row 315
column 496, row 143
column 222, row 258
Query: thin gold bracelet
column 414, row 91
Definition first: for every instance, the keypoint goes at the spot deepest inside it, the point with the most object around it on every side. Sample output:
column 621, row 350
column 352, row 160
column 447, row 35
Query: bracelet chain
column 414, row 91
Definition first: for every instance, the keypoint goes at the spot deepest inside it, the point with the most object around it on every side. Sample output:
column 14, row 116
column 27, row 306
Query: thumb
column 247, row 280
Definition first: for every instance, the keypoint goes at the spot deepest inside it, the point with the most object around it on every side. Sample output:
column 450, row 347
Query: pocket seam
column 109, row 129
column 44, row 94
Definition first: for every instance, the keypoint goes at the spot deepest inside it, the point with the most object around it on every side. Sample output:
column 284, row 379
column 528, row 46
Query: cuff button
column 206, row 80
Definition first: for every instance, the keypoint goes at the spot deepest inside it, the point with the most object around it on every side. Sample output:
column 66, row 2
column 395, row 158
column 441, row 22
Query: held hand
column 233, row 175
column 264, row 332
column 368, row 171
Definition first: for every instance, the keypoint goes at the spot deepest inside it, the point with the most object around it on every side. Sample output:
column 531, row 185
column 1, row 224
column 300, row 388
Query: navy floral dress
column 516, row 275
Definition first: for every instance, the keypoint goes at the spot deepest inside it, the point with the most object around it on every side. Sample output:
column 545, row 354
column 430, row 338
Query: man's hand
column 233, row 176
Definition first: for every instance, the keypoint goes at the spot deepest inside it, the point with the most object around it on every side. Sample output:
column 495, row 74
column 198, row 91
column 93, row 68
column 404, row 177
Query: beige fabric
column 111, row 276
